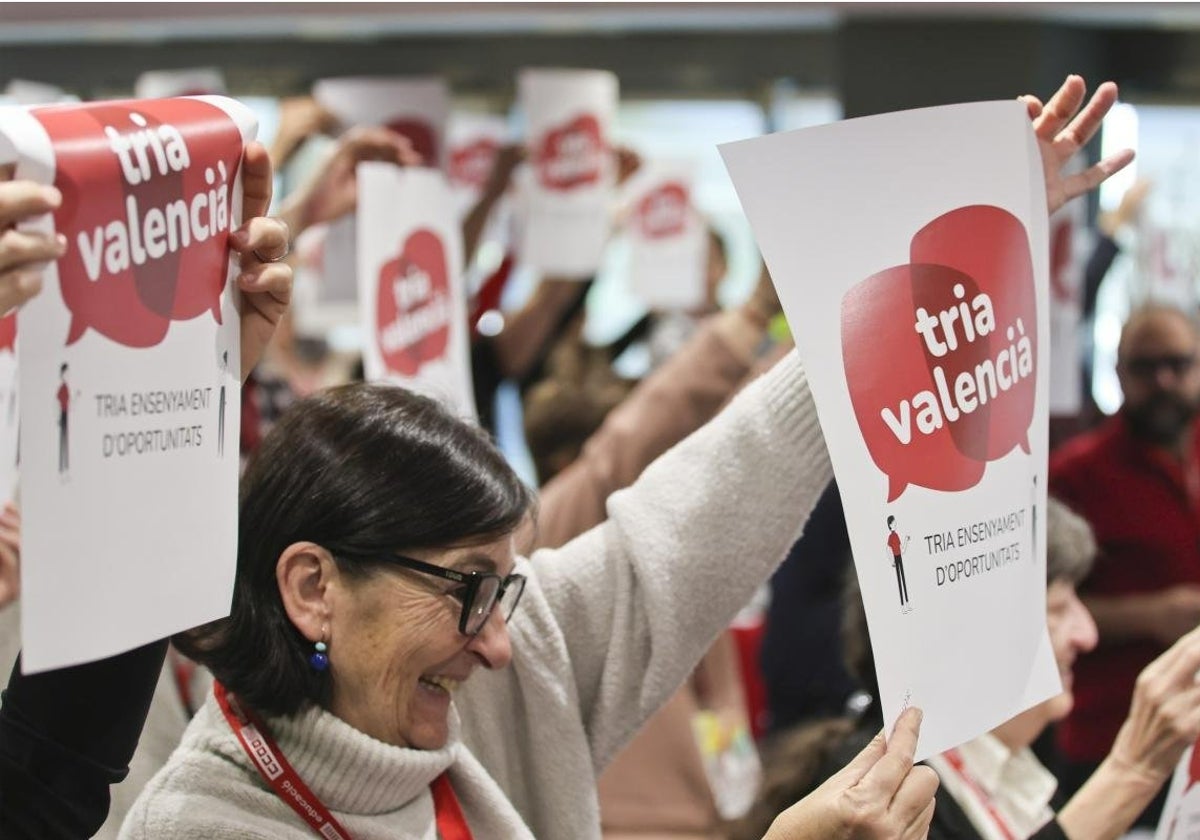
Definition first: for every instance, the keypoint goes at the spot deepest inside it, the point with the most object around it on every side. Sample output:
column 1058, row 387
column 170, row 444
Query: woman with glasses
column 392, row 669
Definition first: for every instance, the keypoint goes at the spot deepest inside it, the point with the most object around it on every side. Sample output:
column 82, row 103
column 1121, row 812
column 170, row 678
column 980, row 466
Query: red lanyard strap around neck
column 275, row 769
column 954, row 759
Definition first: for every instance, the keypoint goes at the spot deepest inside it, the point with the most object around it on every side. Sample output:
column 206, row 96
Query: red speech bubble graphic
column 147, row 208
column 421, row 135
column 571, row 155
column 471, row 164
column 8, row 332
column 940, row 354
column 663, row 211
column 413, row 305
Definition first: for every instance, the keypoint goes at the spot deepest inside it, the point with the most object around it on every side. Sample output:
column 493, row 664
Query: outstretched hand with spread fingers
column 1062, row 129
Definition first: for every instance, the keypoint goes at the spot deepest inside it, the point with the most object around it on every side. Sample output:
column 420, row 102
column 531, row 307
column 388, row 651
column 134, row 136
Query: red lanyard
column 955, row 761
column 278, row 773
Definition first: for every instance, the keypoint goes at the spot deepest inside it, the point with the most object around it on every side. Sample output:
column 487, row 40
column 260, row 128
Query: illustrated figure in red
column 64, row 408
column 896, row 550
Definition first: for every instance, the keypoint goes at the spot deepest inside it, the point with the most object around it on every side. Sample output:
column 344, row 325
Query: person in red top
column 1136, row 479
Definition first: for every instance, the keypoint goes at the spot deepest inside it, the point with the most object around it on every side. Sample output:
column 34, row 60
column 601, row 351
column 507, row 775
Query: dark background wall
column 876, row 57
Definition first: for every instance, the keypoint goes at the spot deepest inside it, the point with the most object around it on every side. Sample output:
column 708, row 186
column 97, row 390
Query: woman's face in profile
column 1072, row 633
column 396, row 655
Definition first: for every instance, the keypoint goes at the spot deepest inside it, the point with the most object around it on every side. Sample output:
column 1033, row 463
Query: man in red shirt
column 1136, row 480
column 897, row 552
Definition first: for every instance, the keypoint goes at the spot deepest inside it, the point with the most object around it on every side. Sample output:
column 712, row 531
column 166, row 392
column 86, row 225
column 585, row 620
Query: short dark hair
column 362, row 470
column 891, row 519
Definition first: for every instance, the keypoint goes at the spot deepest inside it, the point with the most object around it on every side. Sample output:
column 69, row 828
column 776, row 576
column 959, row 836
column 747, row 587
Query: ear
column 306, row 574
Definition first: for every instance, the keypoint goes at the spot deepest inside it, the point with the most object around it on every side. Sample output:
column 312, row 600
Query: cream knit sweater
column 609, row 626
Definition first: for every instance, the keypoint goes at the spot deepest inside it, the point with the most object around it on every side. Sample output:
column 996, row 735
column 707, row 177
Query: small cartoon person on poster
column 64, row 410
column 221, row 406
column 896, row 548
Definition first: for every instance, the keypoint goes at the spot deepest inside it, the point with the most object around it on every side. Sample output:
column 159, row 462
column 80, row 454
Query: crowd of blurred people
column 390, row 559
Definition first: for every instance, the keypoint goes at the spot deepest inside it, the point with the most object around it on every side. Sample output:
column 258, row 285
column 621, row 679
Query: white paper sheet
column 1180, row 818
column 411, row 284
column 474, row 142
column 668, row 254
column 569, row 117
column 129, row 387
column 909, row 251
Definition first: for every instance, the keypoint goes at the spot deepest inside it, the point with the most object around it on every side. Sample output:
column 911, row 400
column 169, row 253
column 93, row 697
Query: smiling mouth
column 436, row 683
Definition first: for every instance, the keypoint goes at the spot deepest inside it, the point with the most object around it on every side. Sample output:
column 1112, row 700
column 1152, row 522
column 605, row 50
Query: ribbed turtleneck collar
column 353, row 773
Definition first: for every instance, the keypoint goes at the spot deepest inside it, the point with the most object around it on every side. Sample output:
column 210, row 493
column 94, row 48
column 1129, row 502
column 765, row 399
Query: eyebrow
column 476, row 563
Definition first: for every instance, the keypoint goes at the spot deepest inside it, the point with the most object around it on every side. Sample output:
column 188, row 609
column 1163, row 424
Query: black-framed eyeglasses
column 1147, row 367
column 481, row 592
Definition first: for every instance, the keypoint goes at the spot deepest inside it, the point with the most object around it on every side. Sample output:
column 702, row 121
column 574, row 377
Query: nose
column 1084, row 634
column 492, row 644
column 1165, row 377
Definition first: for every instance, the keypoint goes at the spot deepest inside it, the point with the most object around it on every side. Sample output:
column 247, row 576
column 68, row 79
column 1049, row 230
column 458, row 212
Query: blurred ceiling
column 156, row 22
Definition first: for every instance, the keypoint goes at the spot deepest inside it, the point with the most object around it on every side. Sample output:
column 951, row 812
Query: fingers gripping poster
column 129, row 384
column 411, row 291
column 909, row 252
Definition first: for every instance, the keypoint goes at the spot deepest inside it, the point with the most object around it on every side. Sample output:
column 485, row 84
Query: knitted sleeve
column 641, row 597
column 671, row 403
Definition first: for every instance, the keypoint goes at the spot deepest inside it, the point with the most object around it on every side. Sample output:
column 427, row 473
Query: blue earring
column 319, row 661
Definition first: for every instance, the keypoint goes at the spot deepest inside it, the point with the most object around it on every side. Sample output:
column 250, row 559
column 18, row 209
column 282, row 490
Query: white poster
column 1180, row 818
column 909, row 252
column 474, row 142
column 569, row 117
column 129, row 385
column 160, row 84
column 1070, row 247
column 9, row 418
column 325, row 291
column 24, row 92
column 668, row 253
column 413, row 304
column 416, row 107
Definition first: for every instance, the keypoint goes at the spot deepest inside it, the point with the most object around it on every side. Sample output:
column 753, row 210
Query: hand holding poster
column 668, row 240
column 908, row 275
column 569, row 120
column 129, row 365
column 411, row 285
column 417, row 108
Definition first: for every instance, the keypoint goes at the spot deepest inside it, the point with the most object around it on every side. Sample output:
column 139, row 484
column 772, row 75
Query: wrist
column 756, row 315
column 1135, row 777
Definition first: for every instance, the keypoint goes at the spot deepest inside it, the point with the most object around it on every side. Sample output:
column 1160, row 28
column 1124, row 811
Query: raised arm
column 671, row 403
column 1164, row 720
